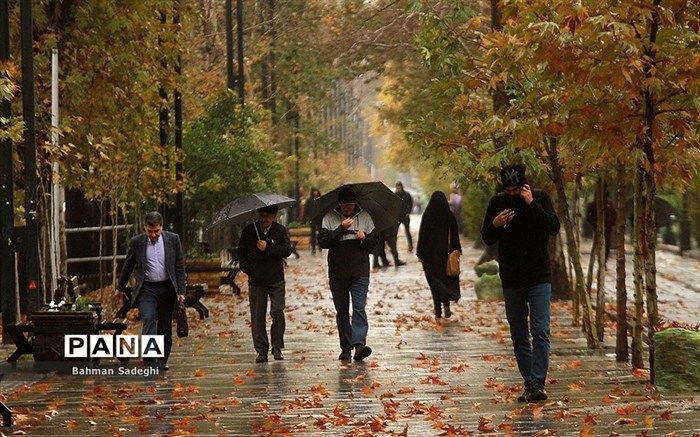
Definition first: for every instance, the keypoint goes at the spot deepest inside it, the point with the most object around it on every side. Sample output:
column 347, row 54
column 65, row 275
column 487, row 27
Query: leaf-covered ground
column 456, row 377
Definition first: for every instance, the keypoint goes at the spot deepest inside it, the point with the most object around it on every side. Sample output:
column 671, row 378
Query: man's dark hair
column 154, row 218
column 272, row 209
column 399, row 184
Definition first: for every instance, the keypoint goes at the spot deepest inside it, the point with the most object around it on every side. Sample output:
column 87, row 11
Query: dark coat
column 407, row 200
column 522, row 244
column 264, row 268
column 347, row 258
column 136, row 262
column 437, row 237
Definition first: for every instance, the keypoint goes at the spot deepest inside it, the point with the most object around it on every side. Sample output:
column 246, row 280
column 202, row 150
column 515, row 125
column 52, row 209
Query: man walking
column 521, row 220
column 157, row 258
column 346, row 232
column 407, row 200
column 261, row 250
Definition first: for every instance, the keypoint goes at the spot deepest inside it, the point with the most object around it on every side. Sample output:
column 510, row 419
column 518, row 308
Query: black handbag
column 183, row 328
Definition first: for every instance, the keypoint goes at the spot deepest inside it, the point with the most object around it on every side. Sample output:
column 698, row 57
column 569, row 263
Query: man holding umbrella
column 346, row 231
column 262, row 248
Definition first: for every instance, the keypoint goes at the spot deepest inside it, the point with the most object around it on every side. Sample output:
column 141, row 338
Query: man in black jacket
column 261, row 250
column 347, row 233
column 521, row 220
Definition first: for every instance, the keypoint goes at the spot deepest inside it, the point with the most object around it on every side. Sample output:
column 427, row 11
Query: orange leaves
column 433, row 379
column 485, row 424
column 320, row 390
column 261, row 406
column 578, row 385
column 199, row 373
column 626, row 410
column 406, row 390
column 641, row 373
column 666, row 415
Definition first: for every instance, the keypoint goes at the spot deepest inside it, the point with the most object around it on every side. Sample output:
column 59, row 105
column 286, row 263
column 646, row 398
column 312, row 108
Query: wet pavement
column 424, row 378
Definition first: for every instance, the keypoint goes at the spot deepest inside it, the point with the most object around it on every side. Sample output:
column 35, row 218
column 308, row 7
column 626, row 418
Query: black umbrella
column 245, row 209
column 382, row 204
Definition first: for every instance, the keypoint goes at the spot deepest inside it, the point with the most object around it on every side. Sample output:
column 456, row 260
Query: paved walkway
column 424, row 378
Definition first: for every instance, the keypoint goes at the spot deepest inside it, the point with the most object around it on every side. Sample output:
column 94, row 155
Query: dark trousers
column 156, row 302
column 533, row 359
column 313, row 238
column 344, row 290
column 406, row 222
column 258, row 295
column 380, row 252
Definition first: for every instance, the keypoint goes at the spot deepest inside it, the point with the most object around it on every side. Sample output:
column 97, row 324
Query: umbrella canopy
column 245, row 209
column 382, row 204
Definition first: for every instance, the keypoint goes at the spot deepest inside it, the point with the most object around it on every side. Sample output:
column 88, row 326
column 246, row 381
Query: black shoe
column 448, row 312
column 344, row 356
column 362, row 352
column 537, row 394
column 261, row 358
column 277, row 354
column 400, row 263
column 526, row 393
column 163, row 367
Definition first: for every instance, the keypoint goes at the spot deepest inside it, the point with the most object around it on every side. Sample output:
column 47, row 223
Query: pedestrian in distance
column 314, row 224
column 521, row 220
column 387, row 237
column 347, row 233
column 407, row 200
column 158, row 262
column 262, row 249
column 437, row 237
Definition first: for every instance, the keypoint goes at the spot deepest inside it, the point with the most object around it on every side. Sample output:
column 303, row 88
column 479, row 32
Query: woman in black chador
column 438, row 236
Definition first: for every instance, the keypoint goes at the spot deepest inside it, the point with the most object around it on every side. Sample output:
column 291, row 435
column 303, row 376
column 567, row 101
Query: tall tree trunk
column 561, row 285
column 101, row 245
column 591, row 263
column 114, row 216
column 576, row 220
column 572, row 246
column 649, row 179
column 639, row 218
column 600, row 230
column 621, row 345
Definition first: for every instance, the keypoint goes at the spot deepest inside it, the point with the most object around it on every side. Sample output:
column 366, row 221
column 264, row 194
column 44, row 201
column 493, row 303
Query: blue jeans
column 351, row 333
column 533, row 360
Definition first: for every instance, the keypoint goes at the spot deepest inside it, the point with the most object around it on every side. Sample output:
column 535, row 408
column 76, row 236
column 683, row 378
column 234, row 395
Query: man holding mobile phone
column 521, row 220
column 346, row 232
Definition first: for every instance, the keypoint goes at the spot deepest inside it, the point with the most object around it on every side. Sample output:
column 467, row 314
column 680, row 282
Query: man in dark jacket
column 346, row 232
column 521, row 221
column 156, row 257
column 407, row 200
column 261, row 250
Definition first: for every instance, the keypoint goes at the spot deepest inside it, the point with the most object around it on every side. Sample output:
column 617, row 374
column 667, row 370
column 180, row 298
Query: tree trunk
column 572, row 246
column 99, row 253
column 600, row 230
column 576, row 219
column 114, row 213
column 561, row 287
column 621, row 345
column 639, row 213
column 591, row 263
column 648, row 177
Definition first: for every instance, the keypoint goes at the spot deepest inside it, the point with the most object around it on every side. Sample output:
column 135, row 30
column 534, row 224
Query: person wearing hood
column 437, row 237
column 347, row 233
column 521, row 220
